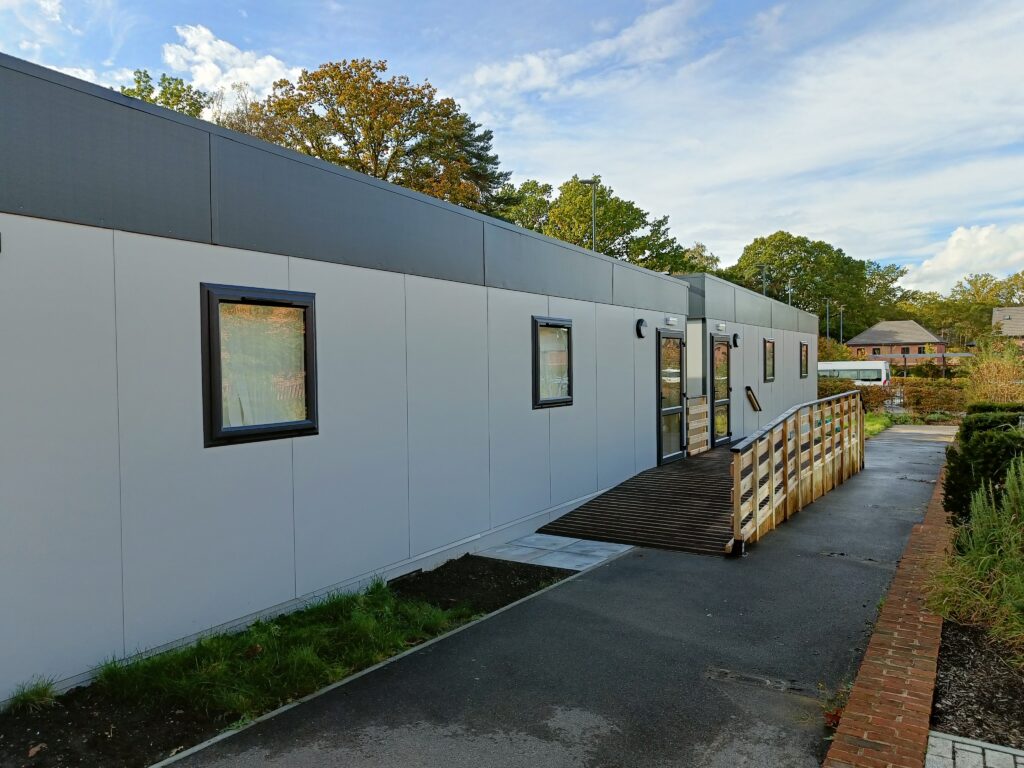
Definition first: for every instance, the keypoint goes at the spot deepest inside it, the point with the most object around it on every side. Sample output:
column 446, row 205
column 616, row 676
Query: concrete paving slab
column 545, row 541
column 652, row 659
column 603, row 549
column 568, row 560
column 513, row 552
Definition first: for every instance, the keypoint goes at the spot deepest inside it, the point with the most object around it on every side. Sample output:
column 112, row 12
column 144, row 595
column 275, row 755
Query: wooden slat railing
column 787, row 464
column 698, row 425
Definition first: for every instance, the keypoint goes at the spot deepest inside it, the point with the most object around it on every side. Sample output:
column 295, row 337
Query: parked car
column 872, row 372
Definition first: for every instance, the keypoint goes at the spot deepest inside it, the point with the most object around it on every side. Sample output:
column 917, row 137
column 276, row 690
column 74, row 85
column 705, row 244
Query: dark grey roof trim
column 77, row 152
column 713, row 298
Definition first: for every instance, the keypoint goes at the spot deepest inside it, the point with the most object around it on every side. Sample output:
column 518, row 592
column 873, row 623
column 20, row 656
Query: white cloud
column 994, row 249
column 874, row 136
column 215, row 64
column 111, row 78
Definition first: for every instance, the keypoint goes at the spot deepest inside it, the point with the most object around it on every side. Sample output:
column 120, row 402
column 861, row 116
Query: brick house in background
column 896, row 337
column 1009, row 321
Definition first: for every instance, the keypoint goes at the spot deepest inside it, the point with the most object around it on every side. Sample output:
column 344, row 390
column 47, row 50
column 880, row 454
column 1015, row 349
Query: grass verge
column 982, row 581
column 241, row 675
column 33, row 696
column 875, row 423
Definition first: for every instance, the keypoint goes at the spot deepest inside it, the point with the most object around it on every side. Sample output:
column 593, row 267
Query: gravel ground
column 978, row 695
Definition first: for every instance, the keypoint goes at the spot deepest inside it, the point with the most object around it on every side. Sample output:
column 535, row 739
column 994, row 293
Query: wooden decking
column 686, row 505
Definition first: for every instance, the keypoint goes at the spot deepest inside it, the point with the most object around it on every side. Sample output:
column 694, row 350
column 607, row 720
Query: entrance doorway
column 721, row 390
column 671, row 396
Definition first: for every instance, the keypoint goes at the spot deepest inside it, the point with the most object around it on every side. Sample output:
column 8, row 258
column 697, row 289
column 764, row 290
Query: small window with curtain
column 769, row 359
column 259, row 364
column 904, row 350
column 920, row 350
column 552, row 362
column 805, row 359
column 876, row 350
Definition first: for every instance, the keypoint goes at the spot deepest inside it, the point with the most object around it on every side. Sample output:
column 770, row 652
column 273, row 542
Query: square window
column 904, row 350
column 769, row 359
column 920, row 350
column 805, row 359
column 259, row 364
column 552, row 362
column 876, row 350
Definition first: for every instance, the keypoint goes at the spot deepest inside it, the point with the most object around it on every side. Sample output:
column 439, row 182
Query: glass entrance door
column 671, row 397
column 721, row 390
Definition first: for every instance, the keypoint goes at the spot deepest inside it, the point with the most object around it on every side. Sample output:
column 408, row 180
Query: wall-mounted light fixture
column 641, row 328
column 720, row 326
column 671, row 321
column 736, row 340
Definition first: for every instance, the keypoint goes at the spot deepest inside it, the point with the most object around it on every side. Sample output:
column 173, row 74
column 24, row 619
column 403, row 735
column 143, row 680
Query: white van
column 875, row 372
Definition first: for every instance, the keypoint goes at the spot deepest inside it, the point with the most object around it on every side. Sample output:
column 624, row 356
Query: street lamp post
column 592, row 183
column 764, row 278
column 828, row 318
column 789, row 292
column 841, row 308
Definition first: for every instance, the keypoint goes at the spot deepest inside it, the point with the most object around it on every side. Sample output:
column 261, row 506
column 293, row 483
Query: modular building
column 237, row 377
column 752, row 356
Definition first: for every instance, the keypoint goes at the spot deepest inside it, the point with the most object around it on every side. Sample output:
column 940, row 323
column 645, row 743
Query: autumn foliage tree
column 349, row 113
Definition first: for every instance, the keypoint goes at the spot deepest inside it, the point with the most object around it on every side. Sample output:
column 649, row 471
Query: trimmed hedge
column 988, row 442
column 921, row 396
column 986, row 422
column 995, row 407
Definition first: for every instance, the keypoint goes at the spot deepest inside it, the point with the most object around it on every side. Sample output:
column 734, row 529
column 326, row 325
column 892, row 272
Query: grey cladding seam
column 139, row 168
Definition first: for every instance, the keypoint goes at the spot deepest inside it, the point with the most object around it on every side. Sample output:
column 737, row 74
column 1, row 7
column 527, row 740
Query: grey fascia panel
column 75, row 151
column 69, row 156
column 519, row 262
column 633, row 287
column 784, row 317
column 720, row 299
column 696, row 302
column 266, row 202
column 807, row 323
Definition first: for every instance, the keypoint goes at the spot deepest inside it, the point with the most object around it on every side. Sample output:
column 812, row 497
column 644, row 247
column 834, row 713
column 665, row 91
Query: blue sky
column 893, row 130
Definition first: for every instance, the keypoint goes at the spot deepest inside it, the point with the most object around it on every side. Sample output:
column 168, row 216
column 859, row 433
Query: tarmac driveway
column 654, row 659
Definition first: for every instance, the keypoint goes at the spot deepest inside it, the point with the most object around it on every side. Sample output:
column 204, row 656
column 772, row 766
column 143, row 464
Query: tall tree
column 819, row 275
column 172, row 92
column 349, row 113
column 618, row 220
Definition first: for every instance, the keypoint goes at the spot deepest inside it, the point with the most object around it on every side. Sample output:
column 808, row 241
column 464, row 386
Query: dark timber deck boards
column 685, row 506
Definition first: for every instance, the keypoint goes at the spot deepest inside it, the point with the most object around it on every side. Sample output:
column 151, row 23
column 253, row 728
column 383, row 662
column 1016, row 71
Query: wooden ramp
column 686, row 505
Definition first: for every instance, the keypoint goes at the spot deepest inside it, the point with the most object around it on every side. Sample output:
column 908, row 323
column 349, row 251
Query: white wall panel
column 645, row 388
column 208, row 532
column 352, row 480
column 616, row 459
column 448, row 432
column 60, row 537
column 574, row 429
column 520, row 441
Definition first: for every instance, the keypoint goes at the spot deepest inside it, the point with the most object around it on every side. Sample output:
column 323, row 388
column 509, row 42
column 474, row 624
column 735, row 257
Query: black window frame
column 212, row 295
column 538, row 322
column 904, row 350
column 764, row 363
column 876, row 350
column 805, row 359
column 922, row 350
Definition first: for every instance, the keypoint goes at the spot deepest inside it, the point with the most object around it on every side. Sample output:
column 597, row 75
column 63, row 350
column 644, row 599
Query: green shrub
column 33, row 696
column 986, row 422
column 874, row 398
column 982, row 583
column 981, row 458
column 995, row 407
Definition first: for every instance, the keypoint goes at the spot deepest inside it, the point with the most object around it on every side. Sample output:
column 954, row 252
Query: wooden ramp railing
column 698, row 425
column 787, row 464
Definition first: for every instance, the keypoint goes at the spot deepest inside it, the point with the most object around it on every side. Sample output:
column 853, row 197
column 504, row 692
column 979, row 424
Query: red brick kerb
column 885, row 723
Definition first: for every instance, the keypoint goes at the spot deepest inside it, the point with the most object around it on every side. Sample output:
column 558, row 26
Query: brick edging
column 885, row 723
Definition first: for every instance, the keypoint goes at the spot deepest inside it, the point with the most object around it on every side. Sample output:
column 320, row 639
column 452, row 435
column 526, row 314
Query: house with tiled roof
column 896, row 337
column 1009, row 321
